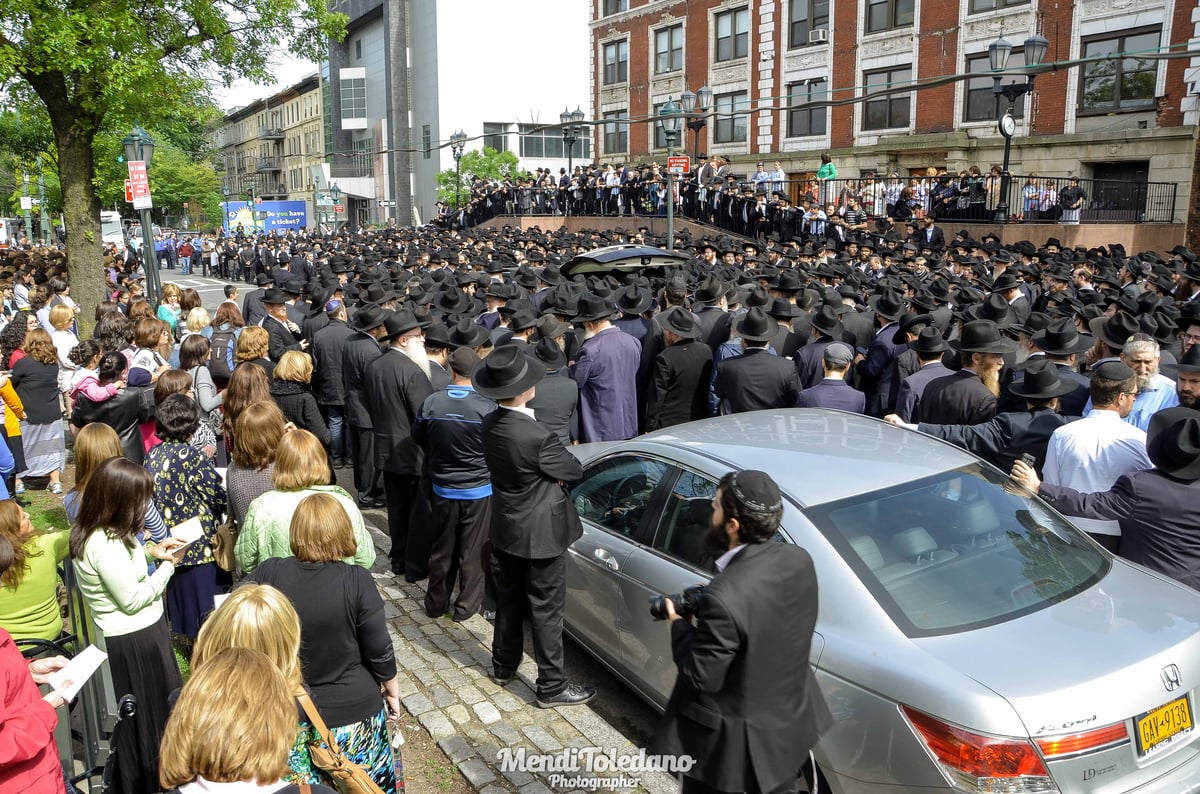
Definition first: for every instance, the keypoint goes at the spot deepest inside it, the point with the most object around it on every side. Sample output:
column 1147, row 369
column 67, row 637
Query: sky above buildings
column 515, row 61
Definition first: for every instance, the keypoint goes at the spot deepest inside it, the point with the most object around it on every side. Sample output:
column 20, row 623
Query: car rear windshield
column 959, row 550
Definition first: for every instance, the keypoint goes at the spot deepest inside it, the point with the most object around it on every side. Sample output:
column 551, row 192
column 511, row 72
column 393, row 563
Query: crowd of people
column 450, row 369
column 769, row 202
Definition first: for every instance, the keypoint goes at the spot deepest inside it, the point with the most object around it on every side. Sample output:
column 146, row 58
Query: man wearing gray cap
column 833, row 391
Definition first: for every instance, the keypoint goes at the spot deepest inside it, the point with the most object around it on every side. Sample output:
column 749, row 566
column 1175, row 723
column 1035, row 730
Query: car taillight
column 1072, row 743
column 974, row 762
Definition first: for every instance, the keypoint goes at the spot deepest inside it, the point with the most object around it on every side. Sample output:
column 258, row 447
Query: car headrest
column 867, row 550
column 913, row 542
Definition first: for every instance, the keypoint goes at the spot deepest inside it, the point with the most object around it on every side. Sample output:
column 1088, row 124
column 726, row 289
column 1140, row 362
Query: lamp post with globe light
column 457, row 141
column 695, row 106
column 668, row 121
column 998, row 54
column 572, row 122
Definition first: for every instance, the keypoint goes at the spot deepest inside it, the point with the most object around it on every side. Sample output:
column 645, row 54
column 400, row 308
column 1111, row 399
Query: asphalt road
column 212, row 290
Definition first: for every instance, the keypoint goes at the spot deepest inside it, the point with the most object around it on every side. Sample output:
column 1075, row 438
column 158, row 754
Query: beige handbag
column 350, row 778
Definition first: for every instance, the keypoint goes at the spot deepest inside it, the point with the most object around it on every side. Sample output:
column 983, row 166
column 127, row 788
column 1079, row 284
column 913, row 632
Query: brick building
column 767, row 61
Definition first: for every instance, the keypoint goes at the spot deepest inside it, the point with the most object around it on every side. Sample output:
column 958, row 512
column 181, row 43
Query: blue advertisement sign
column 277, row 216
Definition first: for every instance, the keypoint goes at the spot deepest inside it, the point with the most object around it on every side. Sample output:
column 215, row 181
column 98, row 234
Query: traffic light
column 250, row 194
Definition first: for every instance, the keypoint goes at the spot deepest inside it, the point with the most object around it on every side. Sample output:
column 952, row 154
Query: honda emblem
column 1171, row 678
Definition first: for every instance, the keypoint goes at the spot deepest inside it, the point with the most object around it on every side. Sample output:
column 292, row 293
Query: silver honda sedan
column 969, row 638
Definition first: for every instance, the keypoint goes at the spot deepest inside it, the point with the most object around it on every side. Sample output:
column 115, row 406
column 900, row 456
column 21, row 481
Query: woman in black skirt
column 127, row 605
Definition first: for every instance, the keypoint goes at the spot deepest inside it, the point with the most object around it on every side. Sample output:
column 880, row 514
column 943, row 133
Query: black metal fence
column 949, row 198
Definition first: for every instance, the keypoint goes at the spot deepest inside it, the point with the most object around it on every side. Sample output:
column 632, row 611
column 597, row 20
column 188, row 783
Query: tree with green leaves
column 97, row 67
column 486, row 163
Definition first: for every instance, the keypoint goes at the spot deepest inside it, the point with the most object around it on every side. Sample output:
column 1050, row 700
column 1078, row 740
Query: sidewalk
column 444, row 684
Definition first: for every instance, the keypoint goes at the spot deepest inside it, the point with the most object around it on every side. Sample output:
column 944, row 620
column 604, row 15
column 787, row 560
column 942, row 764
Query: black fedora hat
column 369, row 317
column 783, row 309
column 549, row 353
column 825, row 320
column 711, row 289
column 262, row 280
column 437, row 336
column 522, row 319
column 681, row 322
column 377, row 293
column 1114, row 331
column 1173, row 442
column 756, row 326
column 452, row 300
column 1190, row 361
column 887, row 304
column 591, row 308
column 506, row 373
column 900, row 337
column 399, row 323
column 929, row 341
column 1042, row 382
column 274, row 296
column 634, row 299
column 1062, row 338
column 983, row 336
column 468, row 333
column 1005, row 281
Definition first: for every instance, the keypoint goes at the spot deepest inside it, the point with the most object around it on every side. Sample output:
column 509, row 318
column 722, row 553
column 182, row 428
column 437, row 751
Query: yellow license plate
column 1158, row 727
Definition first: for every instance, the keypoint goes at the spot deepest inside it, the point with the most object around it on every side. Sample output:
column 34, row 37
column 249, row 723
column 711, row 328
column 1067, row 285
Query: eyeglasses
column 1134, row 393
column 1193, row 338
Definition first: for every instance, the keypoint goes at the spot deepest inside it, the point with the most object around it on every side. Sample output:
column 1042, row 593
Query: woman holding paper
column 187, row 487
column 126, row 603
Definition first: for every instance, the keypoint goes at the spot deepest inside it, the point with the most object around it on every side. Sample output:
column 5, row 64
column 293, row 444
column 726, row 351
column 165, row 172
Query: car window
column 958, row 551
column 615, row 492
column 686, row 518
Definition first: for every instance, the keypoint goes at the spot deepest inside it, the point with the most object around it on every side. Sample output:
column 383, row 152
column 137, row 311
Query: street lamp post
column 140, row 146
column 998, row 54
column 25, row 205
column 572, row 128
column 695, row 106
column 668, row 121
column 43, row 216
column 457, row 141
column 335, row 193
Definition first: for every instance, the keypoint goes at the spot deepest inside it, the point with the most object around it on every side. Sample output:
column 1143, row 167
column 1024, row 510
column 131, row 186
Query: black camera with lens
column 686, row 603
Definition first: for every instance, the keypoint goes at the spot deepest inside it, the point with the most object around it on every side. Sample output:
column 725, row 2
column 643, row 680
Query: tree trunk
column 81, row 208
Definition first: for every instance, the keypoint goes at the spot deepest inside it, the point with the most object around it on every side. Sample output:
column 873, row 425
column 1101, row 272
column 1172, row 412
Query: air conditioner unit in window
column 283, row 188
column 818, row 36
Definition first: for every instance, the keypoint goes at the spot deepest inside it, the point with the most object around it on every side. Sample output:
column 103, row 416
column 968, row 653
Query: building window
column 888, row 14
column 495, row 136
column 353, row 90
column 803, row 118
column 730, row 125
column 615, row 6
column 427, row 141
column 891, row 110
column 1121, row 83
column 806, row 16
column 733, row 34
column 668, row 49
column 358, row 49
column 616, row 62
column 616, row 132
column 979, row 6
column 981, row 101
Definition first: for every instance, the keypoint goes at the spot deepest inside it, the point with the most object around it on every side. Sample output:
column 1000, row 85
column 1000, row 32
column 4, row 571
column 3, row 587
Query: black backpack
column 218, row 355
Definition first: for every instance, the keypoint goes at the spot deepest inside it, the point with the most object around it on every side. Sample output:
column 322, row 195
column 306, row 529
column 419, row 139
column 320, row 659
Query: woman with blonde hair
column 301, row 470
column 291, row 392
column 64, row 339
column 259, row 617
column 251, row 470
column 345, row 662
column 168, row 307
column 251, row 348
column 212, row 741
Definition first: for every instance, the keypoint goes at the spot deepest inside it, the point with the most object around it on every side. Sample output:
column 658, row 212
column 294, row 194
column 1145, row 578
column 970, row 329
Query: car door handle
column 607, row 558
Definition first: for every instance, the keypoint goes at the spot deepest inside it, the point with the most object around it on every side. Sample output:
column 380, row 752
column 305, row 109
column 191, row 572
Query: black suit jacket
column 834, row 393
column 328, row 349
column 746, row 705
column 532, row 514
column 1158, row 516
column 360, row 350
column 679, row 392
column 280, row 339
column 754, row 381
column 556, row 404
column 1006, row 437
column 958, row 399
column 395, row 388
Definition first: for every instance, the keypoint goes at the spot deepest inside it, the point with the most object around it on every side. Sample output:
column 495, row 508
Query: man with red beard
column 968, row 397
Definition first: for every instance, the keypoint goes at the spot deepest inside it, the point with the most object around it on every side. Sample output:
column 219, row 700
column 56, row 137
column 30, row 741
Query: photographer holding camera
column 746, row 706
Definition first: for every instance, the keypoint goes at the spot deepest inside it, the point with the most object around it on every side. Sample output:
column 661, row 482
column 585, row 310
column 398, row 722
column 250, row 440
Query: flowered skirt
column 366, row 743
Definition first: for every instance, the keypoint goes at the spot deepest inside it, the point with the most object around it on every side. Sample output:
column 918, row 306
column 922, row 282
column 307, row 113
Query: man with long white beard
column 1155, row 392
column 395, row 385
column 968, row 397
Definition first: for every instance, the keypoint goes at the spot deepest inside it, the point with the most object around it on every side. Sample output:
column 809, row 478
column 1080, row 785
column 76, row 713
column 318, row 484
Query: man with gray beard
column 395, row 385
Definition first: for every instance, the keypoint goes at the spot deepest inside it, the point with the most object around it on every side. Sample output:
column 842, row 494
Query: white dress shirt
column 1089, row 455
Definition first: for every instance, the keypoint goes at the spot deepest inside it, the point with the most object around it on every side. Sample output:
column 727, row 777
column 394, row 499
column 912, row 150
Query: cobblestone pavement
column 444, row 684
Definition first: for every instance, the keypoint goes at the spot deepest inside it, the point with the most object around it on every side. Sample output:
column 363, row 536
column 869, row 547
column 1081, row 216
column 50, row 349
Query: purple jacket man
column 605, row 369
